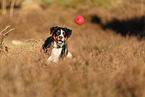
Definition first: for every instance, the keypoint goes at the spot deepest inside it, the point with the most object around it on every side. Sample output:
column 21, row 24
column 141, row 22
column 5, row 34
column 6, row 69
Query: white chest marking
column 55, row 55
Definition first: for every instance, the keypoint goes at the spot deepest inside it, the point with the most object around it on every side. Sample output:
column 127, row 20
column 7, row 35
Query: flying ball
column 79, row 20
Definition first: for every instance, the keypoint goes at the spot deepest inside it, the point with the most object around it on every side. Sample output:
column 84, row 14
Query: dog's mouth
column 59, row 41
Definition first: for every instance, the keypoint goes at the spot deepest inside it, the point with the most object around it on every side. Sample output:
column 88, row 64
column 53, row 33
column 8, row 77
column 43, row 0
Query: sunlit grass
column 104, row 64
column 75, row 3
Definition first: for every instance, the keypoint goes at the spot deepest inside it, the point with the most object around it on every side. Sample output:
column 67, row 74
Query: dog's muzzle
column 60, row 40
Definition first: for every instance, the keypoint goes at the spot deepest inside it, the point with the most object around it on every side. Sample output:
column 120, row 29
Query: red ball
column 79, row 20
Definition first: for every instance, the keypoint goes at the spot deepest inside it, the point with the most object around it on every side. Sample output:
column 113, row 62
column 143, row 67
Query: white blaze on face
column 61, row 35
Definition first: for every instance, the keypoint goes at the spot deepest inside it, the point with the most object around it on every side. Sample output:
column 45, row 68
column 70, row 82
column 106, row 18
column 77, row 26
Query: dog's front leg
column 52, row 59
column 55, row 55
column 49, row 59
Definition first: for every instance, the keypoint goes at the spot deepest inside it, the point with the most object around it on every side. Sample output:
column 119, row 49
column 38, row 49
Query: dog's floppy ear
column 68, row 31
column 52, row 29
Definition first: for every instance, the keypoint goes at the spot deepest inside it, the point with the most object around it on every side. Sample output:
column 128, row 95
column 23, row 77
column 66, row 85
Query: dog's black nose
column 60, row 37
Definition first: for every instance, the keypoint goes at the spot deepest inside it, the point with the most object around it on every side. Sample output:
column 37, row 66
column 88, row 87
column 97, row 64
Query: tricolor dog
column 57, row 43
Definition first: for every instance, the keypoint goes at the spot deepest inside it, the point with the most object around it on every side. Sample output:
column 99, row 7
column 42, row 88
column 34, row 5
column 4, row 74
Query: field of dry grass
column 104, row 63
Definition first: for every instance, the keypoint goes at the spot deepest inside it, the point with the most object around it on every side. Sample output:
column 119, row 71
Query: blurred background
column 108, row 49
column 32, row 18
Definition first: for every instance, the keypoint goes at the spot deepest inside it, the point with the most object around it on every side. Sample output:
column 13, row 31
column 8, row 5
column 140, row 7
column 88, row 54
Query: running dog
column 57, row 44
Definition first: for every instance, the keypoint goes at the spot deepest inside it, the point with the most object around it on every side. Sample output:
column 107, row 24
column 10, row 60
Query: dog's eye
column 57, row 33
column 64, row 33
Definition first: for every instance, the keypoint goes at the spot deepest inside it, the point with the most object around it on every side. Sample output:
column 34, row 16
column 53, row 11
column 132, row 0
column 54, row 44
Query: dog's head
column 60, row 34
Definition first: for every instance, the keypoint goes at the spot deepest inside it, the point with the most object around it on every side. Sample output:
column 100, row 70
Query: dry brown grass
column 104, row 64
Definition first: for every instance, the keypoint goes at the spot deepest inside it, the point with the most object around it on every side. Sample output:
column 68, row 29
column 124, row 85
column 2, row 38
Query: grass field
column 104, row 63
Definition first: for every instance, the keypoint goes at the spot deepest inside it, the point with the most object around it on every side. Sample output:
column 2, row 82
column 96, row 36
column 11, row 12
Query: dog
column 57, row 44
